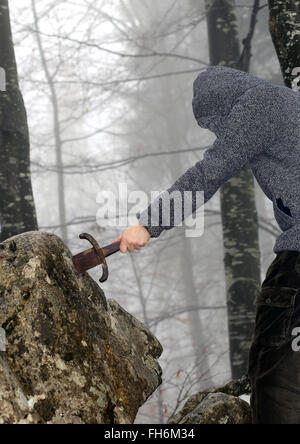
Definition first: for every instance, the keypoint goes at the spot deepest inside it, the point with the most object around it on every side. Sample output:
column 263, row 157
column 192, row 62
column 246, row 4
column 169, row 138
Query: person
column 256, row 123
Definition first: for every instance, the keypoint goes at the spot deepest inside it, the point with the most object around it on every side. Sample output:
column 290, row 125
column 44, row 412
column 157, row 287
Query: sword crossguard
column 99, row 253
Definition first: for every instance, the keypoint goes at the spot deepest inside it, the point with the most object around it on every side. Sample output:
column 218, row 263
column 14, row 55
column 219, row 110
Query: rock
column 14, row 408
column 72, row 355
column 223, row 406
column 238, row 387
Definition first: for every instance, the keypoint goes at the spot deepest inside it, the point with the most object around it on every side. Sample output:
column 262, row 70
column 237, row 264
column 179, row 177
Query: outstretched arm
column 240, row 144
column 242, row 141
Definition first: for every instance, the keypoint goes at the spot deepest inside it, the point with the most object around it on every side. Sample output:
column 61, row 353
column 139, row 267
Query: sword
column 94, row 256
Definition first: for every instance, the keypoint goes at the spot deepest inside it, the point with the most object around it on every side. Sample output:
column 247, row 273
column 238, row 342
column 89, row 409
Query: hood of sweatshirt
column 216, row 90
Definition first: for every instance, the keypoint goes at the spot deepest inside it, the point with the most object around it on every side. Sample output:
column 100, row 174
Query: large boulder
column 72, row 356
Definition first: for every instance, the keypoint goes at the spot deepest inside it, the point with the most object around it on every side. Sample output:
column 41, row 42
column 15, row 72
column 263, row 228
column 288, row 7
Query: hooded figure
column 256, row 123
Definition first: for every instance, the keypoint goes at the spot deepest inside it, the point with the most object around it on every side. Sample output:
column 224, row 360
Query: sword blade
column 86, row 260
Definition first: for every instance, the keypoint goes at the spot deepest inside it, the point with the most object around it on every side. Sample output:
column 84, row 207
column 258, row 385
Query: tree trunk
column 56, row 131
column 16, row 198
column 284, row 27
column 191, row 295
column 238, row 208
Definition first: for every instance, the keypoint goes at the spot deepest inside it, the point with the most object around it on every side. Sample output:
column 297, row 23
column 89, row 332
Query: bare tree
column 238, row 208
column 284, row 27
column 56, row 127
column 17, row 209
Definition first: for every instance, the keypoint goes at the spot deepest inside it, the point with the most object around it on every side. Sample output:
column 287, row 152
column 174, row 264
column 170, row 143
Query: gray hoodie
column 256, row 123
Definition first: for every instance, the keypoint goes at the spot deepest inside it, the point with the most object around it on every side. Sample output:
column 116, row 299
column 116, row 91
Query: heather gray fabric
column 257, row 123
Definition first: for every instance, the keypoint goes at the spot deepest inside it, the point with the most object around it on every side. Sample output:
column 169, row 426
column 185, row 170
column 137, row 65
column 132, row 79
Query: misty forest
column 99, row 97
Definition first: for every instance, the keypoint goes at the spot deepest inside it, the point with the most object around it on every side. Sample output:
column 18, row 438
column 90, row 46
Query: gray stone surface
column 72, row 356
column 223, row 406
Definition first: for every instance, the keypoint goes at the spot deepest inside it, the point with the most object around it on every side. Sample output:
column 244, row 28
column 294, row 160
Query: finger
column 117, row 240
column 123, row 246
column 135, row 246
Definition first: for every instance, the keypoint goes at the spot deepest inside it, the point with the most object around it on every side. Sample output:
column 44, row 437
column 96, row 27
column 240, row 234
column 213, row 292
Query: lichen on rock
column 221, row 406
column 75, row 356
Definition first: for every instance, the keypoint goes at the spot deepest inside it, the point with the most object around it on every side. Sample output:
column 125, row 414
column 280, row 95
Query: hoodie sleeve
column 241, row 142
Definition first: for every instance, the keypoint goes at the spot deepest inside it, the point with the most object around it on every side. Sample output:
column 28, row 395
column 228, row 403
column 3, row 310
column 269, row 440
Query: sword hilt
column 99, row 252
column 111, row 249
column 94, row 256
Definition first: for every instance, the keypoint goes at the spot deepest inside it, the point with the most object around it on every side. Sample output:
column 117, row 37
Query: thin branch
column 183, row 310
column 115, row 82
column 118, row 53
column 244, row 61
column 110, row 165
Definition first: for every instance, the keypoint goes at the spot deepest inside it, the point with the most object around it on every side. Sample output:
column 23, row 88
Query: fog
column 108, row 91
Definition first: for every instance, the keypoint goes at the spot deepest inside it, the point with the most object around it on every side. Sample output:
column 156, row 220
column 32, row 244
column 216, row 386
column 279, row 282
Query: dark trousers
column 274, row 359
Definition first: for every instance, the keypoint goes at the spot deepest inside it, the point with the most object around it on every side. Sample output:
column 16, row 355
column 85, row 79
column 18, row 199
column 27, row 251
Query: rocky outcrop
column 223, row 406
column 72, row 356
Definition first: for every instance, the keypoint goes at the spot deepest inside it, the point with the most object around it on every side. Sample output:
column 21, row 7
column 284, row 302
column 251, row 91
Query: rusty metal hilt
column 99, row 253
column 95, row 256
